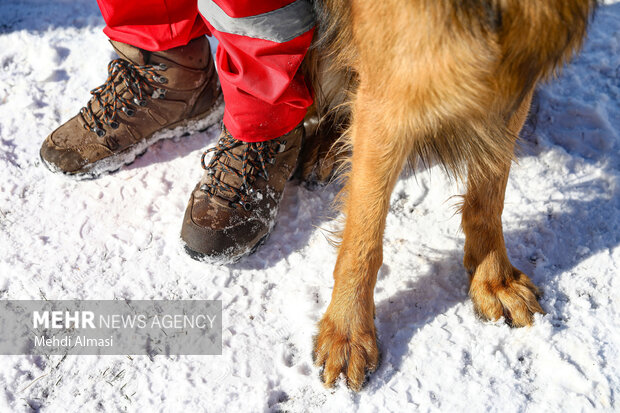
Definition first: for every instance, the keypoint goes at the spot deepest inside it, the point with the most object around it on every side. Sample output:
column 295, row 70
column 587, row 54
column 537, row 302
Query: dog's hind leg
column 346, row 341
column 497, row 288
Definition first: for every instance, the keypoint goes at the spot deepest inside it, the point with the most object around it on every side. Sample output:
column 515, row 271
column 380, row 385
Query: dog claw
column 514, row 298
column 355, row 355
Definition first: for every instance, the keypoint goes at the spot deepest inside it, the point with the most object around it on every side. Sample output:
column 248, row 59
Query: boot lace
column 135, row 78
column 254, row 160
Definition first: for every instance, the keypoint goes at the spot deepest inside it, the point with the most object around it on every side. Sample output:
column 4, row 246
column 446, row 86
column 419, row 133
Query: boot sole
column 215, row 260
column 127, row 156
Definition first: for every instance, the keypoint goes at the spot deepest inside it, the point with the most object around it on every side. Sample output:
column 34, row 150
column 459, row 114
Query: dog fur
column 446, row 81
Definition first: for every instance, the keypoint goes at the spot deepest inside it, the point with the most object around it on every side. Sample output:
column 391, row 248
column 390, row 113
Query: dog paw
column 349, row 349
column 514, row 297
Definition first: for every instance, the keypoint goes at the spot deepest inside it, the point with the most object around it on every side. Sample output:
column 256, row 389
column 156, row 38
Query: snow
column 118, row 237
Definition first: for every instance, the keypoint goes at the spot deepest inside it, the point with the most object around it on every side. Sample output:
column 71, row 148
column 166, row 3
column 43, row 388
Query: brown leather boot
column 233, row 208
column 148, row 96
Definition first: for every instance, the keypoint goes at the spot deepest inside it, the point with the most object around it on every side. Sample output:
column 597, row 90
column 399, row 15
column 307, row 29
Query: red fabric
column 152, row 24
column 266, row 96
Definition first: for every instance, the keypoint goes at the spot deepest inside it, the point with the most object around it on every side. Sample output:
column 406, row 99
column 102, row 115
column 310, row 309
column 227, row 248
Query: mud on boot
column 148, row 96
column 233, row 208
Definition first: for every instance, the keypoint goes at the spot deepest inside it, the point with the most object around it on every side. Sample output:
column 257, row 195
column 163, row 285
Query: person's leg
column 261, row 47
column 163, row 80
column 152, row 25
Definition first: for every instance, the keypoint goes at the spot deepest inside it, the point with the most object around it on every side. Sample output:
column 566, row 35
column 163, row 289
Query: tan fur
column 497, row 288
column 448, row 81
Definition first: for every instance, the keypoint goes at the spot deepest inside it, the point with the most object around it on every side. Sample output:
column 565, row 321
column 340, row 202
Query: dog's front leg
column 497, row 288
column 346, row 341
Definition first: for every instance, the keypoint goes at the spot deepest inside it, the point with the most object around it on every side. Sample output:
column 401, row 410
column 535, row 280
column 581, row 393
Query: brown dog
column 448, row 81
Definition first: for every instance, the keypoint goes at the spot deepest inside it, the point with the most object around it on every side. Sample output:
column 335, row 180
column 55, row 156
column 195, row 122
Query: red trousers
column 261, row 46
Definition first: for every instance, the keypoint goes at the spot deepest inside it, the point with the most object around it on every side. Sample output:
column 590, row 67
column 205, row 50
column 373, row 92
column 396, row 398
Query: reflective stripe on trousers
column 280, row 25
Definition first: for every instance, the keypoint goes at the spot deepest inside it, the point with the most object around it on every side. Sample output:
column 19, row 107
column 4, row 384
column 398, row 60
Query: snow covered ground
column 118, row 237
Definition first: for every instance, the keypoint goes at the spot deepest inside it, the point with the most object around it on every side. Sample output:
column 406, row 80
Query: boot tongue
column 196, row 54
column 135, row 55
column 225, row 195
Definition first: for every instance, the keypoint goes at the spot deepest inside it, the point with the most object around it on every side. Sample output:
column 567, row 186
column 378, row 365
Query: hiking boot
column 233, row 208
column 148, row 96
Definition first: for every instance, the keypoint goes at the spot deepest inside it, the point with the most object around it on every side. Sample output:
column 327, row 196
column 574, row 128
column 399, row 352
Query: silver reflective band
column 281, row 25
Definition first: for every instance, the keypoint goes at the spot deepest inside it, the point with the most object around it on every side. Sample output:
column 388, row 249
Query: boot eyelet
column 282, row 147
column 100, row 132
column 161, row 79
column 139, row 102
column 128, row 111
column 246, row 206
column 114, row 125
column 159, row 93
column 160, row 66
